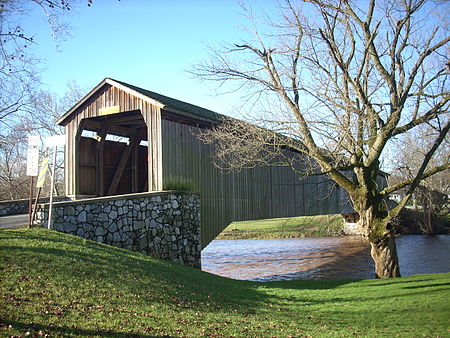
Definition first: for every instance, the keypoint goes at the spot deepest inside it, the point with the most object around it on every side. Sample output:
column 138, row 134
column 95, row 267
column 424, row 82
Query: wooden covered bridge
column 123, row 139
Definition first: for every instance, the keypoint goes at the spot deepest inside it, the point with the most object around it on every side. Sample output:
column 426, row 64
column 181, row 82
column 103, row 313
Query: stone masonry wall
column 8, row 208
column 17, row 207
column 162, row 224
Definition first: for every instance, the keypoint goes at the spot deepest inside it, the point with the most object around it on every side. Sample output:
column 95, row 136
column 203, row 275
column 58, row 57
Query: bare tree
column 46, row 107
column 13, row 182
column 430, row 197
column 22, row 105
column 19, row 67
column 39, row 119
column 410, row 149
column 342, row 82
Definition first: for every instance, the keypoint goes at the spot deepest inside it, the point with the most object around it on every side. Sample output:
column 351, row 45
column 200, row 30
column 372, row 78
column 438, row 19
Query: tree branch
column 421, row 174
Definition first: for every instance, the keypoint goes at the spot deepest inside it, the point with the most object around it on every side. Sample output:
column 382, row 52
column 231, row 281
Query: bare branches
column 439, row 108
column 19, row 68
column 407, row 183
column 421, row 174
column 243, row 145
column 347, row 83
column 19, row 83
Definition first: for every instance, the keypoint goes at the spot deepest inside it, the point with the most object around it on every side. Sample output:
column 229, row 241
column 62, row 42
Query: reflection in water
column 320, row 258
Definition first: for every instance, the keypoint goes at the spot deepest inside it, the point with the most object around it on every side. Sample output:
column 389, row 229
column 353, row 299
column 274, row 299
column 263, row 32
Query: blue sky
column 150, row 44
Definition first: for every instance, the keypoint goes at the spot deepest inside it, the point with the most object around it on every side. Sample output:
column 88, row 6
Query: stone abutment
column 164, row 224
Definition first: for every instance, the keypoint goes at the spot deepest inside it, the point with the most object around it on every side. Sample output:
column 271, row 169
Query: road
column 13, row 222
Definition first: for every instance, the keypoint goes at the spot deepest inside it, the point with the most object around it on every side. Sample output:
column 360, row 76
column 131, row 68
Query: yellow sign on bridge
column 109, row 110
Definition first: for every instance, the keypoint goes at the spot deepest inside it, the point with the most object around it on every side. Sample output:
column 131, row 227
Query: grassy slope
column 53, row 283
column 289, row 227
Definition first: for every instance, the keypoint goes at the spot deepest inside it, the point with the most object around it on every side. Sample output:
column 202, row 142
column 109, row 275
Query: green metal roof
column 175, row 104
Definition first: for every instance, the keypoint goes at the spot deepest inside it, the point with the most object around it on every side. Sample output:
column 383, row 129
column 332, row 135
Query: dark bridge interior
column 113, row 154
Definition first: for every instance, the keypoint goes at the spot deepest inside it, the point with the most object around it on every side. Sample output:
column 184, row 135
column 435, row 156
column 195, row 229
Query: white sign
column 33, row 155
column 56, row 140
column 34, row 141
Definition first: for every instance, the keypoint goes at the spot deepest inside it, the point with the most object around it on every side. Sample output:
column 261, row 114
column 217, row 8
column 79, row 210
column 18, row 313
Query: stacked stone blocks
column 164, row 225
column 18, row 207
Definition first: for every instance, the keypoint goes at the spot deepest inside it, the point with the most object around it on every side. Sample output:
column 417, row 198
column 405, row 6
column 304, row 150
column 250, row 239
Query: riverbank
column 409, row 223
column 53, row 284
column 288, row 227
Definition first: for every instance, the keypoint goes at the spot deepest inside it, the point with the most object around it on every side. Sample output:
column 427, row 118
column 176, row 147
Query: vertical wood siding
column 258, row 193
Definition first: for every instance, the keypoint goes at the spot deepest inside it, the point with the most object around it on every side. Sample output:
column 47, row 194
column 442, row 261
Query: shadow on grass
column 69, row 260
column 42, row 330
column 426, row 286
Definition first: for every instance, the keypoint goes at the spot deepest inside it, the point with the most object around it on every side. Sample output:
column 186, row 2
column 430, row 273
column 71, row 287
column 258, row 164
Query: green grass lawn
column 57, row 284
column 288, row 227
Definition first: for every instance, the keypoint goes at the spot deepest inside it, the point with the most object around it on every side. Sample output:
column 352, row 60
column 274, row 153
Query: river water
column 320, row 258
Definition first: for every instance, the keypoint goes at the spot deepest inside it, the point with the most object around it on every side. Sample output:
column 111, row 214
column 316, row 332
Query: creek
column 320, row 258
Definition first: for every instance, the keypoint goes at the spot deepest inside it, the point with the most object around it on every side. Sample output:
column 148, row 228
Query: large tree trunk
column 376, row 227
column 384, row 254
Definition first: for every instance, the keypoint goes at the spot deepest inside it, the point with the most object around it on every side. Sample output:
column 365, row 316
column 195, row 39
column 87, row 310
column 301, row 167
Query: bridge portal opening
column 112, row 155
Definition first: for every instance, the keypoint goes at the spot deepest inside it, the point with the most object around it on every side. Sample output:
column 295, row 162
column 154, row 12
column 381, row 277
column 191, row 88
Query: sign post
column 55, row 141
column 39, row 184
column 32, row 168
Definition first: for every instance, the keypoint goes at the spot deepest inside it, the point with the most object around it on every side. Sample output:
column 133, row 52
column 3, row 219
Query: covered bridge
column 124, row 139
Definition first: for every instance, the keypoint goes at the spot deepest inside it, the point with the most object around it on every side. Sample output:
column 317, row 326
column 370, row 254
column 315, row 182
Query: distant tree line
column 24, row 107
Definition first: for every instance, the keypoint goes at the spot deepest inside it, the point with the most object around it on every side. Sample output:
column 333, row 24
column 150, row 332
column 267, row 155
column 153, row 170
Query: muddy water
column 319, row 258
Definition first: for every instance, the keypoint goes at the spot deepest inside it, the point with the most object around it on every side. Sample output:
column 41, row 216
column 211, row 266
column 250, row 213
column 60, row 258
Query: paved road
column 13, row 222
